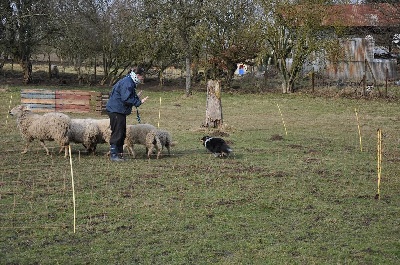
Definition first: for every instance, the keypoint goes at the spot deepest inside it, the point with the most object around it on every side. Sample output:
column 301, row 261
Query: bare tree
column 158, row 38
column 184, row 18
column 234, row 35
column 110, row 30
column 24, row 26
column 293, row 32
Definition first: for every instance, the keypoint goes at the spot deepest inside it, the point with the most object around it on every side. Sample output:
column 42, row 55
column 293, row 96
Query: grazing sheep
column 104, row 130
column 165, row 140
column 90, row 132
column 143, row 134
column 153, row 142
column 53, row 126
column 84, row 131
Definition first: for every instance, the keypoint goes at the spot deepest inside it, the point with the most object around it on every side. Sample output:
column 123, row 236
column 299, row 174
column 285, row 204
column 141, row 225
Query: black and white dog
column 217, row 146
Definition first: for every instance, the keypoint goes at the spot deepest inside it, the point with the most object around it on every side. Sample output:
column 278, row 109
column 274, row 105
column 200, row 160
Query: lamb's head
column 19, row 110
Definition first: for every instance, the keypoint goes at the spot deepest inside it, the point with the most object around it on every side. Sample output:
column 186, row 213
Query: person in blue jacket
column 122, row 98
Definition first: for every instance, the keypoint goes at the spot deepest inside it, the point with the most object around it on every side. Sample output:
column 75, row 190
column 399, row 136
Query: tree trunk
column 230, row 72
column 49, row 65
column 105, row 67
column 214, row 106
column 188, row 77
column 161, row 78
column 95, row 69
column 26, row 66
column 287, row 86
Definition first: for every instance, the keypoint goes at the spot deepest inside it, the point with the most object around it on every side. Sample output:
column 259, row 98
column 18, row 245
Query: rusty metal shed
column 380, row 21
column 359, row 60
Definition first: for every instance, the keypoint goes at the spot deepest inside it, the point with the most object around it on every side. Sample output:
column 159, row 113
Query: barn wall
column 358, row 53
column 354, row 70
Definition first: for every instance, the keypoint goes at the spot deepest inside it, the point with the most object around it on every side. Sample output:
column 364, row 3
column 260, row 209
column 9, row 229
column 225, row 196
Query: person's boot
column 121, row 152
column 114, row 154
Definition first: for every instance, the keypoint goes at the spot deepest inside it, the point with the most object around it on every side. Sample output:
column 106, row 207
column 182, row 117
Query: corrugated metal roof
column 364, row 15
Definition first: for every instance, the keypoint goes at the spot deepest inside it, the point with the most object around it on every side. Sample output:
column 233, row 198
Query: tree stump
column 213, row 107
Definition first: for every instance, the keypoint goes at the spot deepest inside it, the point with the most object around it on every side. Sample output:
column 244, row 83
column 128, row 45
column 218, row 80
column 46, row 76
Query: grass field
column 305, row 197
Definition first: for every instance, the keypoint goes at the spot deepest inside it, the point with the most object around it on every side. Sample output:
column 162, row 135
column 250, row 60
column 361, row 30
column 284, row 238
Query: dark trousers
column 118, row 129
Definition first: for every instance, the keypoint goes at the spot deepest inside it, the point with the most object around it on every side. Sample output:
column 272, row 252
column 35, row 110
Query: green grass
column 302, row 198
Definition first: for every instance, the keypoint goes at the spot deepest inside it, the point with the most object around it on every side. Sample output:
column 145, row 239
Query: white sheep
column 104, row 130
column 143, row 134
column 90, row 132
column 86, row 132
column 52, row 126
column 165, row 140
column 153, row 142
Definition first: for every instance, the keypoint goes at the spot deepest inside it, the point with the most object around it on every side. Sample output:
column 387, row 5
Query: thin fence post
column 386, row 81
column 313, row 80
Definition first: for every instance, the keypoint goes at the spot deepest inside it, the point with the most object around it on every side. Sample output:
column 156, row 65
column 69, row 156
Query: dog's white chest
column 206, row 141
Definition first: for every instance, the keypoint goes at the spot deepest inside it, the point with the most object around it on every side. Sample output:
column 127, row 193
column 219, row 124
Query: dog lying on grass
column 217, row 146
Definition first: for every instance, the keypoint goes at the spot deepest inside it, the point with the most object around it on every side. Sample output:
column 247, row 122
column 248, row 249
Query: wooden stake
column 379, row 163
column 9, row 107
column 159, row 115
column 73, row 187
column 282, row 118
column 359, row 130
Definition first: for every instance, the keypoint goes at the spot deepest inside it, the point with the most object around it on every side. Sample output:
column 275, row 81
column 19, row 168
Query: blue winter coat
column 123, row 97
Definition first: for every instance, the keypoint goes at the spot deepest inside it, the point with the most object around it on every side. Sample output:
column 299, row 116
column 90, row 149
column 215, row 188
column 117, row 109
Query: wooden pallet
column 45, row 100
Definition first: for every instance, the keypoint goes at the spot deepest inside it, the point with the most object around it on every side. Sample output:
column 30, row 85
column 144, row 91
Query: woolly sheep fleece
column 165, row 140
column 86, row 132
column 143, row 134
column 104, row 130
column 52, row 126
